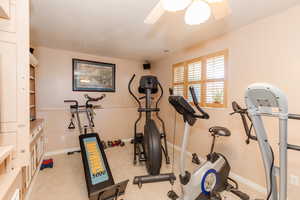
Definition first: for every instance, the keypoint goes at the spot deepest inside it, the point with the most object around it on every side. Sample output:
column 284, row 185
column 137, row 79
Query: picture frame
column 93, row 76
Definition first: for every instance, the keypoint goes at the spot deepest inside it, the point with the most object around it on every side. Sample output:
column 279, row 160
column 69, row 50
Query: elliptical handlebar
column 161, row 94
column 203, row 115
column 130, row 91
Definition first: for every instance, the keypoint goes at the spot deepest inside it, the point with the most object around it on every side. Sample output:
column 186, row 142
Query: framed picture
column 93, row 76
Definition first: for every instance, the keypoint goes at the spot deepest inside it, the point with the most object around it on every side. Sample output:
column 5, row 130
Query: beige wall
column 265, row 51
column 54, row 85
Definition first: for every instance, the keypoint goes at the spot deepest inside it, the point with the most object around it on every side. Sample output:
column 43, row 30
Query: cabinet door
column 8, row 83
column 9, row 25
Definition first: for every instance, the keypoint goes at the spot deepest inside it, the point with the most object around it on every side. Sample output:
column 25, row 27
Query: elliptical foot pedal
column 140, row 180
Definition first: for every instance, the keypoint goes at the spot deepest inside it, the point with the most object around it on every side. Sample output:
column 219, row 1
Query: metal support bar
column 293, row 147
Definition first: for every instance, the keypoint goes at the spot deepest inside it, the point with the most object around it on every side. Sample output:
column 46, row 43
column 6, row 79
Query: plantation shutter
column 215, row 75
column 208, row 77
column 194, row 71
column 179, row 74
column 178, row 80
column 194, row 78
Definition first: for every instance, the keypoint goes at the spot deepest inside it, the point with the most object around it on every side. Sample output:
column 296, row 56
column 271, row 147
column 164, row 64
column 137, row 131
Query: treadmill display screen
column 97, row 168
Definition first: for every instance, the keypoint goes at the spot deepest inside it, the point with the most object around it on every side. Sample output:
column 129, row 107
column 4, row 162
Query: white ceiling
column 115, row 27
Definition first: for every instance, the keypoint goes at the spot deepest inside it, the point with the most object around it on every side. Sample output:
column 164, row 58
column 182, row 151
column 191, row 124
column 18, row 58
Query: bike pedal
column 196, row 159
column 172, row 195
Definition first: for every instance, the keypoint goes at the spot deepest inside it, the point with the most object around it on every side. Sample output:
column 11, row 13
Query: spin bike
column 212, row 177
column 147, row 146
column 98, row 176
column 264, row 100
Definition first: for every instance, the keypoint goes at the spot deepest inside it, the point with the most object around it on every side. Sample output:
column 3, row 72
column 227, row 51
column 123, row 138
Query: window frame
column 204, row 80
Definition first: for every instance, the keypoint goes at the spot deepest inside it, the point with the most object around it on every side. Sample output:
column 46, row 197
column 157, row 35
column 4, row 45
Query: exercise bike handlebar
column 203, row 115
column 94, row 99
column 72, row 101
column 130, row 91
column 91, row 99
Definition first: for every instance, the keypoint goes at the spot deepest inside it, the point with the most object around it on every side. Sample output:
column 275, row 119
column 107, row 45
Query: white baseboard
column 62, row 151
column 236, row 177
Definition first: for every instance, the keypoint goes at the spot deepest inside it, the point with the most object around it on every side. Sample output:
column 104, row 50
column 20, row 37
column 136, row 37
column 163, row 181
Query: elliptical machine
column 264, row 100
column 147, row 146
column 212, row 177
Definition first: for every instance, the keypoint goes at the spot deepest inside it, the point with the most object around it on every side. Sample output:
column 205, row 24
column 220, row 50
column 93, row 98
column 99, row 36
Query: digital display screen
column 97, row 168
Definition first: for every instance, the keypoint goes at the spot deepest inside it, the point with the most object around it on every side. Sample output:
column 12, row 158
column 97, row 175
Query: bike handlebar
column 71, row 101
column 89, row 99
column 203, row 115
column 94, row 99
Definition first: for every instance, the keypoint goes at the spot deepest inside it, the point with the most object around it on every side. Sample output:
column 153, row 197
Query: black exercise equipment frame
column 104, row 190
column 139, row 138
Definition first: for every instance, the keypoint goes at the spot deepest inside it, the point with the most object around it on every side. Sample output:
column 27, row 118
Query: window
column 207, row 75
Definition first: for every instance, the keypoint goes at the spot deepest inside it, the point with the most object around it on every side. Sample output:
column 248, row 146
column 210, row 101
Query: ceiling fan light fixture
column 214, row 1
column 197, row 13
column 175, row 5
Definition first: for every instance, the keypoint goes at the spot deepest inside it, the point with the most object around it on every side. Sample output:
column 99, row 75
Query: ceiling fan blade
column 155, row 13
column 221, row 9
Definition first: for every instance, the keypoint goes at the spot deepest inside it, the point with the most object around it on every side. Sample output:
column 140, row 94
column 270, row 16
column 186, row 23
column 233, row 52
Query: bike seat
column 219, row 131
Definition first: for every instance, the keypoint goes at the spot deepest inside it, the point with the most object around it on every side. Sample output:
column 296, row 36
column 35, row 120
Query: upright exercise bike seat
column 220, row 131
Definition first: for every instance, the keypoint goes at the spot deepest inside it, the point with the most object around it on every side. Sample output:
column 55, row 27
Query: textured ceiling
column 115, row 27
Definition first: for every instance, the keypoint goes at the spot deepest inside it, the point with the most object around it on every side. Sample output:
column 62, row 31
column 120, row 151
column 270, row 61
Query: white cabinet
column 5, row 9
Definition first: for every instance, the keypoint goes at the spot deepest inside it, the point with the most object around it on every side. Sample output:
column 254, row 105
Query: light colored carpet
column 66, row 180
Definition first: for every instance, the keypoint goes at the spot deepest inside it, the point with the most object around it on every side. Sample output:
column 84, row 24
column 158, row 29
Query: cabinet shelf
column 7, row 180
column 5, row 152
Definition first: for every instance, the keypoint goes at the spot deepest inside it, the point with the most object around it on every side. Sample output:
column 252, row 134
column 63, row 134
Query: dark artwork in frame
column 92, row 76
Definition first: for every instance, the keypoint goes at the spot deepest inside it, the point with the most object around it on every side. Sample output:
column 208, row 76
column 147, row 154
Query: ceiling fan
column 197, row 12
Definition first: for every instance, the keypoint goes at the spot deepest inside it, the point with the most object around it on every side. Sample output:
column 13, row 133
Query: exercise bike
column 212, row 177
column 98, row 176
column 264, row 100
column 147, row 145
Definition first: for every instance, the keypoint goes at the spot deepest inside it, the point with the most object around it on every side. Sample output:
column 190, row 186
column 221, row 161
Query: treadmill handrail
column 294, row 116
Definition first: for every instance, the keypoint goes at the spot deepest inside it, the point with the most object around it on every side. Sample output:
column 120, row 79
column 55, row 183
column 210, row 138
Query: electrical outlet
column 294, row 180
